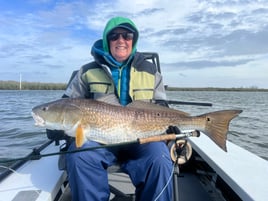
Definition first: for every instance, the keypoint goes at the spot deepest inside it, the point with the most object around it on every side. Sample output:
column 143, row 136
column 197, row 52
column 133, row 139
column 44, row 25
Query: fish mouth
column 39, row 121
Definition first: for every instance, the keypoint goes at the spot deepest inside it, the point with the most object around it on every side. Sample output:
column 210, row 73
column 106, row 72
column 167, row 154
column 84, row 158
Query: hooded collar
column 102, row 57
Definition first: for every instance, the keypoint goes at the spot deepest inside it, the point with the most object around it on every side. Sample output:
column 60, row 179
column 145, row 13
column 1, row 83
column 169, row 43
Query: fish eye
column 44, row 108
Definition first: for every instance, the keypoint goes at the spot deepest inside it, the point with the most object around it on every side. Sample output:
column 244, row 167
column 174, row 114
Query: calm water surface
column 18, row 135
column 249, row 129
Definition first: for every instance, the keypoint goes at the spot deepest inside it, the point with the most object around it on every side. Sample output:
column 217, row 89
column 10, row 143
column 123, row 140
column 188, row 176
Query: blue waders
column 149, row 167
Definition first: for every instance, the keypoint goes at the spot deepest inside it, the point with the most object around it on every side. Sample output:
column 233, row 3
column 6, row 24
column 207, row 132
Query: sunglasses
column 126, row 36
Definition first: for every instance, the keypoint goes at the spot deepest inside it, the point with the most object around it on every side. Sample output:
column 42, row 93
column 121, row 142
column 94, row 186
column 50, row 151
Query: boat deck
column 190, row 189
column 209, row 175
column 33, row 178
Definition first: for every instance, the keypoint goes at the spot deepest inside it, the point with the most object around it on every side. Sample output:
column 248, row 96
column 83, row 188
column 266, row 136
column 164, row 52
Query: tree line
column 245, row 89
column 14, row 85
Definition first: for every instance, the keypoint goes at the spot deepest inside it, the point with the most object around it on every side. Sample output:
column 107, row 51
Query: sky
column 201, row 43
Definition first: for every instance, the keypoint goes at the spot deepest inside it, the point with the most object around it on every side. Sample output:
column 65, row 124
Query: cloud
column 192, row 35
column 199, row 64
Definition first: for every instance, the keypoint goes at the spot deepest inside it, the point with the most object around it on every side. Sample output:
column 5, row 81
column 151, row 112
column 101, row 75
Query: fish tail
column 217, row 125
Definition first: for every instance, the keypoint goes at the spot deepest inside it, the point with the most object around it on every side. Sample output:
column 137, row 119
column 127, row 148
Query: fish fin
column 110, row 99
column 217, row 125
column 154, row 107
column 79, row 136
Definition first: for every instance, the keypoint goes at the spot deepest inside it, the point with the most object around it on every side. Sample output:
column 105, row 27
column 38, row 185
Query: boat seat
column 121, row 187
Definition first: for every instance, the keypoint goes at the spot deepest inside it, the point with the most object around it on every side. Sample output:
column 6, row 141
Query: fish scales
column 121, row 124
column 106, row 122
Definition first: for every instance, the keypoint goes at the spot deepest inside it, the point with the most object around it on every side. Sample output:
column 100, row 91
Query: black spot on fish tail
column 217, row 125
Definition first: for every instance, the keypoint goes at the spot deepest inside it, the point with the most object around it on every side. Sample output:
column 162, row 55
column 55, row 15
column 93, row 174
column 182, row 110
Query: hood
column 102, row 57
column 120, row 22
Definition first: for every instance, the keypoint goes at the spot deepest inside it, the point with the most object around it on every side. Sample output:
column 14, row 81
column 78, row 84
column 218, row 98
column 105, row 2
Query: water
column 18, row 135
column 249, row 130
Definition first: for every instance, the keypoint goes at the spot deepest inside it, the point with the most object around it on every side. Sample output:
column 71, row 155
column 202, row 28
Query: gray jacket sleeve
column 77, row 88
column 159, row 92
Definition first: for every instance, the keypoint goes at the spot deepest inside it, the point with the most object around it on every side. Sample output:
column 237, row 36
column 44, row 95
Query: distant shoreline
column 215, row 89
column 14, row 85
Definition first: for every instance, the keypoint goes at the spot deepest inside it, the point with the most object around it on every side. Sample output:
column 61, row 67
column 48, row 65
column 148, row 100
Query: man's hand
column 173, row 129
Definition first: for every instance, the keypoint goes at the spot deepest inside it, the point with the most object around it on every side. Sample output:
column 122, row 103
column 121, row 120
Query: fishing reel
column 180, row 151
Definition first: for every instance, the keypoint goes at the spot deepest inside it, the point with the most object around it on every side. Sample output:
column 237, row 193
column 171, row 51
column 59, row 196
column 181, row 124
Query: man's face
column 120, row 41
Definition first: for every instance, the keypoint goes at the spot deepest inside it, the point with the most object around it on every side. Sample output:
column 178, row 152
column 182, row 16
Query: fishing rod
column 20, row 161
column 36, row 153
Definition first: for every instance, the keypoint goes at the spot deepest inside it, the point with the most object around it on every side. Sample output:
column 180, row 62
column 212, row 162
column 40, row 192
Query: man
column 120, row 70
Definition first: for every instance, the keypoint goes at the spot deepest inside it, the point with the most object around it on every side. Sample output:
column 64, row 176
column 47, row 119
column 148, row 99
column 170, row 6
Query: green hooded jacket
column 134, row 79
column 121, row 22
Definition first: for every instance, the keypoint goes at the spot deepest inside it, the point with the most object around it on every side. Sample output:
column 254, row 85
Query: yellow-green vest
column 141, row 84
